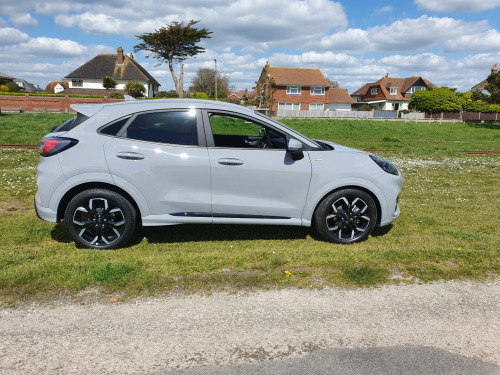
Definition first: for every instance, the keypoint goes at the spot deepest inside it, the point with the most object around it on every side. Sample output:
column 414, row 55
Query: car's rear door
column 163, row 155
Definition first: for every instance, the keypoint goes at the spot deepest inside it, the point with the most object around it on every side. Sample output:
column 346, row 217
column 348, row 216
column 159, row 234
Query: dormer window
column 374, row 91
column 294, row 90
column 394, row 90
column 317, row 90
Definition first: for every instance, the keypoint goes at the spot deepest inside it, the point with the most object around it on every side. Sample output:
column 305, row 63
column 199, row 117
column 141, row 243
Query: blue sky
column 449, row 42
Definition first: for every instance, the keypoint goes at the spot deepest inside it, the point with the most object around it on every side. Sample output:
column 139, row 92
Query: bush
column 135, row 89
column 167, row 94
column 115, row 95
column 4, row 88
column 200, row 95
column 365, row 108
column 13, row 87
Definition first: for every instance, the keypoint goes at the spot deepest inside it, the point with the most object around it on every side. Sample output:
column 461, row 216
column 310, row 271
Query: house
column 56, row 87
column 388, row 93
column 5, row 78
column 237, row 97
column 87, row 79
column 26, row 86
column 292, row 89
column 482, row 85
column 339, row 100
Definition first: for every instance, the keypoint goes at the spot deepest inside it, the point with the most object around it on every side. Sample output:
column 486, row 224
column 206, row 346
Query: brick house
column 87, row 79
column 388, row 93
column 292, row 89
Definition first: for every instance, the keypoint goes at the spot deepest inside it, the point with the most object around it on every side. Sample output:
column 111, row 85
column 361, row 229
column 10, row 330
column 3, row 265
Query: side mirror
column 295, row 148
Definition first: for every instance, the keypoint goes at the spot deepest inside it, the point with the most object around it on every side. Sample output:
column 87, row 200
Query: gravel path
column 171, row 333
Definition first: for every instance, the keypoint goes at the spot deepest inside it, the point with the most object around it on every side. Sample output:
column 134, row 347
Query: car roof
column 153, row 104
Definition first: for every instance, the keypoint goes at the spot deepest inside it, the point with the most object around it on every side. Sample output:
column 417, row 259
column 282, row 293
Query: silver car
column 115, row 167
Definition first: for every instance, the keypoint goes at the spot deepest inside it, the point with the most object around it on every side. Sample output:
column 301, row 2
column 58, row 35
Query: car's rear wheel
column 346, row 216
column 100, row 219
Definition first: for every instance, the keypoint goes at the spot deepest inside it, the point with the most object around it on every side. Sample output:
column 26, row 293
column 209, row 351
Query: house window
column 289, row 106
column 394, row 90
column 294, row 90
column 317, row 90
column 77, row 83
column 416, row 88
column 374, row 91
column 316, row 106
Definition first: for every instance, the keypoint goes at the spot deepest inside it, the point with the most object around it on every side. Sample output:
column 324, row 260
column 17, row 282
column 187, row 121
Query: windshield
column 290, row 129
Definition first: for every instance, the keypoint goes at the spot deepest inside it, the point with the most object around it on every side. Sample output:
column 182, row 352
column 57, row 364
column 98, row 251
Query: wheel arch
column 351, row 186
column 63, row 203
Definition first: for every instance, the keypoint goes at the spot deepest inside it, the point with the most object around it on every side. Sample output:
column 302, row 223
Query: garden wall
column 26, row 103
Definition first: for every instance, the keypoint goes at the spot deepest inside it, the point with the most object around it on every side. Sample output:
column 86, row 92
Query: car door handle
column 130, row 155
column 230, row 161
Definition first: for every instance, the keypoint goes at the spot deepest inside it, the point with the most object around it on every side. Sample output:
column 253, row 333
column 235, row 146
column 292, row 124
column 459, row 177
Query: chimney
column 494, row 70
column 131, row 55
column 119, row 56
column 387, row 75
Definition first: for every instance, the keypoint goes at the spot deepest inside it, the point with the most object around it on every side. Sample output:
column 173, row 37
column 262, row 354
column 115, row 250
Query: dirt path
column 160, row 334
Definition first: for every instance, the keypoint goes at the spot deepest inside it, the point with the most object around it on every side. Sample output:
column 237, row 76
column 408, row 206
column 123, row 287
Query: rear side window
column 71, row 123
column 174, row 127
column 113, row 128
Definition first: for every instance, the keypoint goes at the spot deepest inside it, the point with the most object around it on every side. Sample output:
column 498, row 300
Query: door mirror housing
column 295, row 148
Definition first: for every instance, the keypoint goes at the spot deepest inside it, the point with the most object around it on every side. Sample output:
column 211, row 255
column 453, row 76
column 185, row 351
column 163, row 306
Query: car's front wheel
column 346, row 216
column 100, row 219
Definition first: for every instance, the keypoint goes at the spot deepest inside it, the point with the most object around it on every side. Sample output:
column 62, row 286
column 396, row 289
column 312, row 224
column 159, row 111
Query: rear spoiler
column 88, row 110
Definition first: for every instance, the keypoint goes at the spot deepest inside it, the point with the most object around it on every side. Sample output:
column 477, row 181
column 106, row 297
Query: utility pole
column 215, row 60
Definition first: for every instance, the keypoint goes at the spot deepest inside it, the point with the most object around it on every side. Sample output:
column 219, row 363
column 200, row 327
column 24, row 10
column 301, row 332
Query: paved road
column 437, row 327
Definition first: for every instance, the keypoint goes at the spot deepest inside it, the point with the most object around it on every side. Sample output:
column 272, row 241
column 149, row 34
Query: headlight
column 386, row 165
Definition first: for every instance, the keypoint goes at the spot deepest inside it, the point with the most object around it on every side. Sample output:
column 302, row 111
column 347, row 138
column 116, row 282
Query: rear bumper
column 44, row 213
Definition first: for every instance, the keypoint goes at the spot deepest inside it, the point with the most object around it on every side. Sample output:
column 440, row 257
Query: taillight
column 55, row 145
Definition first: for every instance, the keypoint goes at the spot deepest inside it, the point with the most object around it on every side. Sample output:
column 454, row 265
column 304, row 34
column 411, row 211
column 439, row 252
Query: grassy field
column 448, row 228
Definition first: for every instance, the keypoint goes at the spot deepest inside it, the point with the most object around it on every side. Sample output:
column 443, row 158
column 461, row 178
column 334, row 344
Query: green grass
column 28, row 128
column 448, row 229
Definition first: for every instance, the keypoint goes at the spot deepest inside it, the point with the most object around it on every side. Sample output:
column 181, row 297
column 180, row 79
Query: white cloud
column 404, row 35
column 487, row 41
column 457, row 5
column 23, row 20
column 386, row 9
column 10, row 36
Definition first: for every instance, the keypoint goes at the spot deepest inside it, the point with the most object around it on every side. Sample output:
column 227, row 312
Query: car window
column 174, row 127
column 113, row 128
column 236, row 132
column 71, row 123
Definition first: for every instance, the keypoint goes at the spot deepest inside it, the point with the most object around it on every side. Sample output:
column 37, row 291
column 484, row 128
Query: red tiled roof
column 298, row 76
column 338, row 95
column 385, row 84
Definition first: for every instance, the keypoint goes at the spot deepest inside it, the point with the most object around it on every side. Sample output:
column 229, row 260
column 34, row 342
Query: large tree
column 493, row 87
column 174, row 43
column 435, row 100
column 204, row 81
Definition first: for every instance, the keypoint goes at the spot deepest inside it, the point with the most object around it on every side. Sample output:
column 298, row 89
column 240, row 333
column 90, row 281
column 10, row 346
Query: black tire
column 100, row 219
column 346, row 216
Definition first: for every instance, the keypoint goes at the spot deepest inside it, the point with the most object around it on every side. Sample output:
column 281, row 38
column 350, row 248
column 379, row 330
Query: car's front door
column 253, row 176
column 161, row 154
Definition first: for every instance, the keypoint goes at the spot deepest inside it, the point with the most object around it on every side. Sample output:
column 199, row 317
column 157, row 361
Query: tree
column 174, row 43
column 13, row 87
column 333, row 84
column 109, row 83
column 435, row 100
column 135, row 89
column 493, row 87
column 204, row 81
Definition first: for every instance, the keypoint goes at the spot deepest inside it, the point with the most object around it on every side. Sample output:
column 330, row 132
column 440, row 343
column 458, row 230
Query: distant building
column 339, row 100
column 87, row 79
column 482, row 85
column 292, row 89
column 388, row 93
